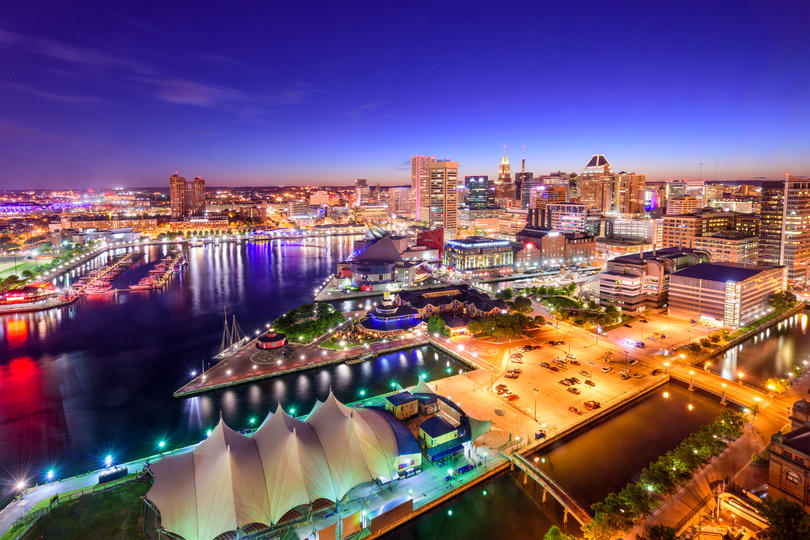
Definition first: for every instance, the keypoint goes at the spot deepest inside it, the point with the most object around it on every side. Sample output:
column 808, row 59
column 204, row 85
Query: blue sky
column 257, row 93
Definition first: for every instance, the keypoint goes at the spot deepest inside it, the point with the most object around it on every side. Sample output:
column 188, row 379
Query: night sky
column 256, row 93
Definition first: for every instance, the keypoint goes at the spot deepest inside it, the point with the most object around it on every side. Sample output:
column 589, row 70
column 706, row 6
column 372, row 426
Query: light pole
column 691, row 380
column 535, row 404
column 723, row 397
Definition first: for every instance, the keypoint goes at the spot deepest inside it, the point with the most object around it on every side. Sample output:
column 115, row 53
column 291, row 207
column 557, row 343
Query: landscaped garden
column 308, row 322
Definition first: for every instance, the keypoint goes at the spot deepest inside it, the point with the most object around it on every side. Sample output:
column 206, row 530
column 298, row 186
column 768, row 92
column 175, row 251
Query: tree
column 436, row 325
column 786, row 518
column 661, row 532
column 782, row 300
column 540, row 320
column 27, row 273
column 554, row 533
column 505, row 294
column 522, row 303
column 780, row 386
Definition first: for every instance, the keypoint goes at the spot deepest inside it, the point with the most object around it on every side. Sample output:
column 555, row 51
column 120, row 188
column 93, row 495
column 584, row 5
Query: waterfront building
column 200, row 224
column 380, row 266
column 545, row 247
column 789, row 459
column 373, row 213
column 186, row 198
column 461, row 300
column 402, row 405
column 388, row 318
column 784, row 237
column 481, row 194
column 439, row 438
column 729, row 246
column 299, row 210
column 724, row 294
column 420, row 186
column 480, row 255
column 432, row 239
column 442, row 201
column 271, row 340
column 677, row 206
column 281, row 473
column 640, row 281
column 99, row 224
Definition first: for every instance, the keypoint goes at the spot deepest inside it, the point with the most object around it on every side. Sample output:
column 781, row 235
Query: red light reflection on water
column 16, row 331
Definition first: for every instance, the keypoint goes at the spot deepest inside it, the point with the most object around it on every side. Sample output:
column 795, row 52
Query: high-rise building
column 676, row 188
column 362, row 193
column 186, row 198
column 197, row 197
column 400, row 201
column 504, row 188
column 420, row 181
column 784, row 234
column 681, row 205
column 481, row 193
column 596, row 187
column 629, row 197
column 682, row 230
column 177, row 196
column 443, row 203
column 527, row 182
column 318, row 198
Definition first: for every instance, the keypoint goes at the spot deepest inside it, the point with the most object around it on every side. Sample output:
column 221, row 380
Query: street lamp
column 535, row 404
column 740, row 376
column 691, row 380
column 723, row 397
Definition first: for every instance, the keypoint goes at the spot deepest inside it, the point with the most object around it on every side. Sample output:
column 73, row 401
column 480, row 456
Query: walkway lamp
column 723, row 396
column 691, row 379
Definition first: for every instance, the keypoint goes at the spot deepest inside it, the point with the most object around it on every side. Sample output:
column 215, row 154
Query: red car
column 574, row 410
column 513, row 397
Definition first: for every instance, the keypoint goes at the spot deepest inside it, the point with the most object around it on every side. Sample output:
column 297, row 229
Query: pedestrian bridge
column 570, row 506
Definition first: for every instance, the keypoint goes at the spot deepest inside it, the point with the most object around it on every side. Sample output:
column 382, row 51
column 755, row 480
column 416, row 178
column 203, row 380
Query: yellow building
column 402, row 405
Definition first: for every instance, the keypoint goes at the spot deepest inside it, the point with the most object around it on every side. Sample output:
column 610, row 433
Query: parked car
column 513, row 397
column 638, row 375
column 574, row 380
column 521, row 349
column 545, row 364
column 640, row 345
column 569, row 355
column 633, row 362
column 627, row 325
column 625, row 376
column 517, row 360
column 583, row 373
column 554, row 368
column 564, row 382
column 591, row 404
column 517, row 355
column 574, row 410
column 574, row 362
column 590, row 382
column 573, row 390
column 516, row 370
column 644, row 321
column 606, row 369
column 656, row 371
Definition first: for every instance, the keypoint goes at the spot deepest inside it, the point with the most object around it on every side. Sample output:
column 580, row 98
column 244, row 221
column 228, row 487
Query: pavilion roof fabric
column 230, row 480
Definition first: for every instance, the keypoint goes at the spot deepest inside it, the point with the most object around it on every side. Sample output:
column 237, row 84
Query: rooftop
column 798, row 439
column 436, row 426
column 400, row 399
column 722, row 271
column 477, row 242
column 663, row 253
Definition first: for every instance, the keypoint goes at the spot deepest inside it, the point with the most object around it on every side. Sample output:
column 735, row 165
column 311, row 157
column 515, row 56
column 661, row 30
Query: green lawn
column 111, row 514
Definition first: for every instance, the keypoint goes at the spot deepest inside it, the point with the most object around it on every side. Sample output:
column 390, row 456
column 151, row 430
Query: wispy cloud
column 52, row 96
column 404, row 165
column 150, row 80
column 361, row 110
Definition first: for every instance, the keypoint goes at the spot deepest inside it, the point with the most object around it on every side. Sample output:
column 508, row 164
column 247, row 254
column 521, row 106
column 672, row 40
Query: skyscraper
column 443, row 202
column 177, row 196
column 597, row 187
column 527, row 182
column 187, row 198
column 504, row 188
column 629, row 198
column 420, row 178
column 784, row 231
column 482, row 192
column 362, row 193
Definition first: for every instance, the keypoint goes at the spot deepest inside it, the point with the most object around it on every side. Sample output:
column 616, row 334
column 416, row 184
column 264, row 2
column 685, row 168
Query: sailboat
column 233, row 339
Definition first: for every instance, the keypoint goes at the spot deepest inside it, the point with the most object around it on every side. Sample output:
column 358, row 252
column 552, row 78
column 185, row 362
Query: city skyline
column 260, row 97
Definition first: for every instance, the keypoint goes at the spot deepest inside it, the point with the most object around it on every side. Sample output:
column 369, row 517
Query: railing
column 31, row 518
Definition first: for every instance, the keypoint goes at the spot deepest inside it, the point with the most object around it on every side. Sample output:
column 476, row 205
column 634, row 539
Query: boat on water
column 233, row 339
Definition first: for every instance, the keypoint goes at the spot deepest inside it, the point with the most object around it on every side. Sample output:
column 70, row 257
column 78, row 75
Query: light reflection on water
column 773, row 352
column 97, row 377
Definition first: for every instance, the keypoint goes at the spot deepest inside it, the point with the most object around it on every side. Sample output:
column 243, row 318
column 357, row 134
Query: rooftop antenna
column 523, row 163
column 504, row 150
